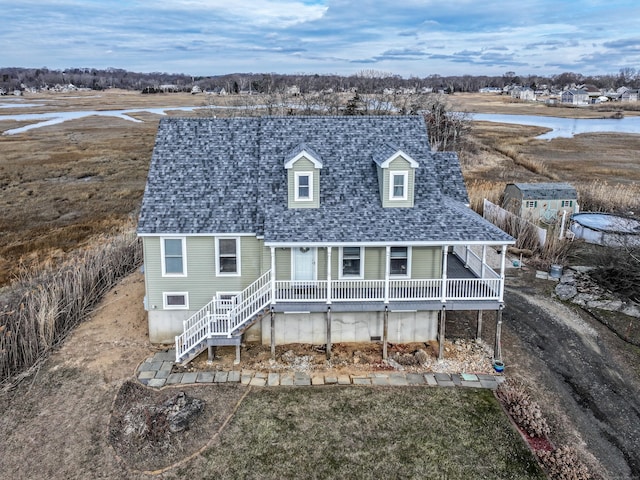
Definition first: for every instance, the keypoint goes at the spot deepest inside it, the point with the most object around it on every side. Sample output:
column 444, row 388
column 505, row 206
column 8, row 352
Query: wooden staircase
column 222, row 322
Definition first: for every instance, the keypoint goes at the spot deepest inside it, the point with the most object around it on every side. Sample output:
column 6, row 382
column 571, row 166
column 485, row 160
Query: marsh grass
column 370, row 433
column 601, row 196
column 480, row 189
column 45, row 304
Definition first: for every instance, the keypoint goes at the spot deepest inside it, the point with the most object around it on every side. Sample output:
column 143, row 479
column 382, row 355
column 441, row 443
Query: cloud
column 412, row 37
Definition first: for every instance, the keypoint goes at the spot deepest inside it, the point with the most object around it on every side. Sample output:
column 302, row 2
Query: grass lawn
column 335, row 432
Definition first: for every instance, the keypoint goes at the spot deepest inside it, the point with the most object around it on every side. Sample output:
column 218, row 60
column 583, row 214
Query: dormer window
column 396, row 176
column 303, row 168
column 304, row 186
column 398, row 184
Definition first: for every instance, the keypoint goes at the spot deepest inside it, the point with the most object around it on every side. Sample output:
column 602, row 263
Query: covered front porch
column 464, row 281
column 289, row 297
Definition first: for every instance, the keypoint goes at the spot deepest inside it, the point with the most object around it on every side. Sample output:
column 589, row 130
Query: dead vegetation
column 44, row 305
column 562, row 463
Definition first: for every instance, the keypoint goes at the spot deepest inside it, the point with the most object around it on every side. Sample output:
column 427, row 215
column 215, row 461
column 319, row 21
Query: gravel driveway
column 584, row 376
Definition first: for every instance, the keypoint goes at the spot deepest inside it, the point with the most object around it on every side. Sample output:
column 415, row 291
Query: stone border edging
column 155, row 372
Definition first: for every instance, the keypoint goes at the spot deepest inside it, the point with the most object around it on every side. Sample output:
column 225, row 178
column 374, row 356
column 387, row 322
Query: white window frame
column 341, row 274
column 233, row 297
column 166, row 306
column 238, row 272
column 405, row 184
column 183, row 241
column 296, row 194
column 399, row 275
column 219, row 295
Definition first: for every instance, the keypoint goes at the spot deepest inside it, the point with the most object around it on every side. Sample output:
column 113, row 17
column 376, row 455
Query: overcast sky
column 405, row 37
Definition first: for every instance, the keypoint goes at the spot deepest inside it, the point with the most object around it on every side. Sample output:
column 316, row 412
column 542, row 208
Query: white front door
column 303, row 263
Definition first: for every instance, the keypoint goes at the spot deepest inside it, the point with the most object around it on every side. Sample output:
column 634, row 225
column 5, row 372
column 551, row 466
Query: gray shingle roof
column 228, row 176
column 547, row 191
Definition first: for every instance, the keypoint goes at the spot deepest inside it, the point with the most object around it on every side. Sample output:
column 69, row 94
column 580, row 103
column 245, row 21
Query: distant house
column 575, row 97
column 629, row 96
column 527, row 94
column 168, row 88
column 593, row 92
column 195, row 90
column 309, row 230
column 540, row 202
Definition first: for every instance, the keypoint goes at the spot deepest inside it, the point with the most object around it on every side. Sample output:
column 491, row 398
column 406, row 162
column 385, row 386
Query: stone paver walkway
column 155, row 372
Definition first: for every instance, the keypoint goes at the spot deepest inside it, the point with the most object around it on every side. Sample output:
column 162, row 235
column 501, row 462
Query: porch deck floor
column 456, row 268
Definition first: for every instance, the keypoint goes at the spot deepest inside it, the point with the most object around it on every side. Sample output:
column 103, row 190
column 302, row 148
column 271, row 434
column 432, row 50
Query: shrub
column 524, row 411
column 563, row 464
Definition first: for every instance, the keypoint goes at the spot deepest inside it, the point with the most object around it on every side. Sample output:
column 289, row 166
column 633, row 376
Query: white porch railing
column 399, row 290
column 223, row 317
column 474, row 262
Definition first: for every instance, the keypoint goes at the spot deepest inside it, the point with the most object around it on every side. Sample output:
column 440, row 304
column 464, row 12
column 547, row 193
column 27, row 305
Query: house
column 575, row 97
column 629, row 96
column 309, row 230
column 523, row 93
column 540, row 202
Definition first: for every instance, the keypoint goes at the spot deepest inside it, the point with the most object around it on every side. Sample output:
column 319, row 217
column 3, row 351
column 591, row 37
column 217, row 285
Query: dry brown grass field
column 64, row 184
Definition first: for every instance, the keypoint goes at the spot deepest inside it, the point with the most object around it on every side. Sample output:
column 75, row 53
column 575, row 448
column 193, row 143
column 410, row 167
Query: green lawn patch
column 334, row 432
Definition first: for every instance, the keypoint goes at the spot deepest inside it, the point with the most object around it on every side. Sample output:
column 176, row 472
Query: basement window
column 175, row 300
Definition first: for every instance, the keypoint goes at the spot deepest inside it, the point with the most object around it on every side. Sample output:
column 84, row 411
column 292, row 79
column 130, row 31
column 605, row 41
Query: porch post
column 386, row 274
column 445, row 253
column 385, row 332
column 273, row 275
column 329, row 275
column 443, row 316
column 328, row 333
column 497, row 347
column 237, row 360
column 479, row 326
column 484, row 261
column 273, row 334
column 503, row 258
column 466, row 255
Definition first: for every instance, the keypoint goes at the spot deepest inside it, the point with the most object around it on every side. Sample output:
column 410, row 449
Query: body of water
column 558, row 127
column 565, row 127
column 46, row 119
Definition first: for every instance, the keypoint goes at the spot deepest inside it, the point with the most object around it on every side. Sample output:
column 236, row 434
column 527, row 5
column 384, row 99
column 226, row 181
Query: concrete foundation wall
column 164, row 325
column 404, row 327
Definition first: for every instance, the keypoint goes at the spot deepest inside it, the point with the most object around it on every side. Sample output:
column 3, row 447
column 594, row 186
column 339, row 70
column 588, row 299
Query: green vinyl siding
column 303, row 165
column 374, row 263
column 283, row 264
column 201, row 281
column 426, row 262
column 399, row 164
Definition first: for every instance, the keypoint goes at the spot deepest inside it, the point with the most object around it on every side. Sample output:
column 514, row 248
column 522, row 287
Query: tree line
column 365, row 81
